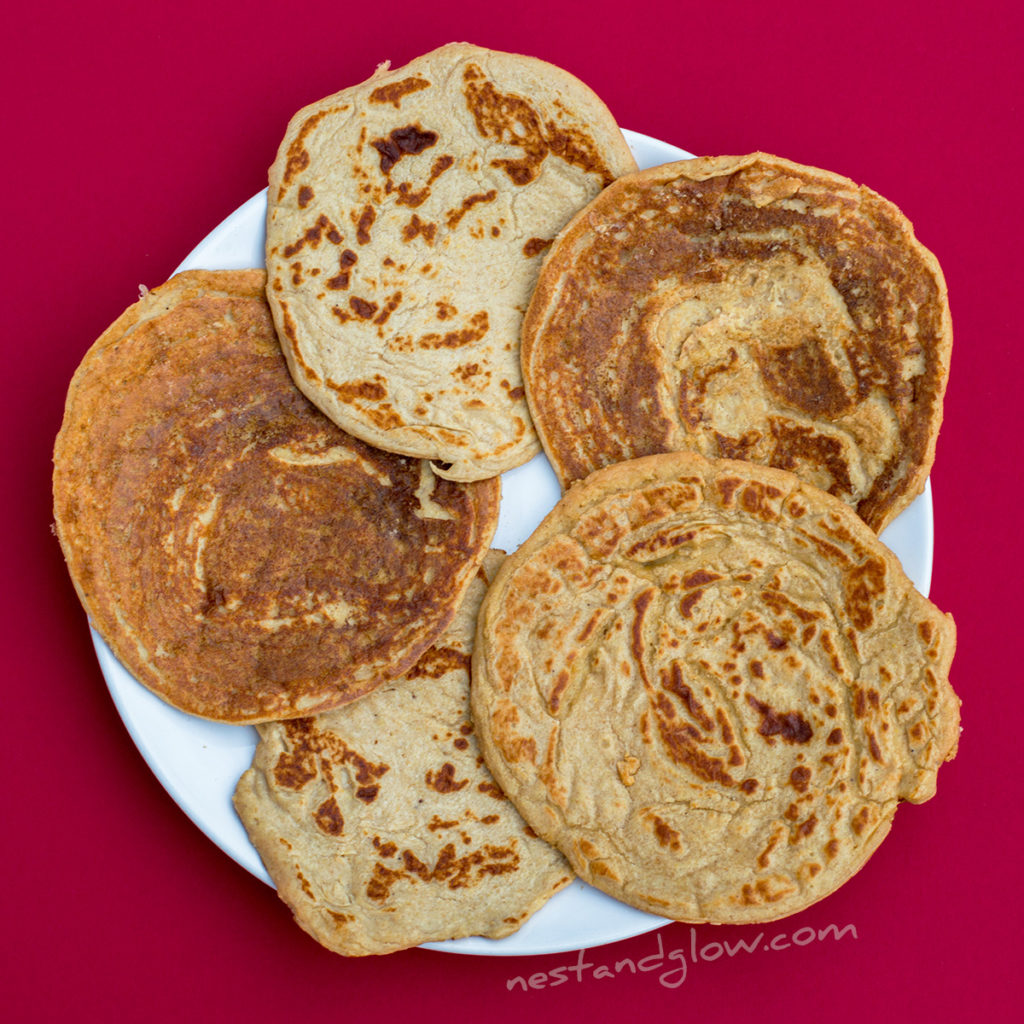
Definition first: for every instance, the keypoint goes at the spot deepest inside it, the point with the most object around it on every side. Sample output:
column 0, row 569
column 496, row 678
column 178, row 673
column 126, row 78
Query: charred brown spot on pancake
column 664, row 833
column 535, row 246
column 789, row 726
column 313, row 236
column 305, row 196
column 861, row 820
column 873, row 748
column 865, row 585
column 555, row 696
column 438, row 661
column 346, row 260
column 796, row 444
column 682, row 741
column 395, row 92
column 804, row 377
column 478, row 326
column 406, row 141
column 415, row 227
column 366, row 390
column 406, row 195
column 454, row 216
column 727, row 487
column 701, row 578
column 328, row 818
column 661, row 543
column 384, row 847
column 513, row 120
column 672, row 681
column 453, row 871
column 491, row 789
column 298, row 155
column 800, row 778
column 363, row 222
column 444, row 781
column 297, row 767
column 863, row 699
column 805, row 828
column 437, row 824
column 390, row 305
column 304, row 884
column 782, row 603
column 363, row 309
column 759, row 500
column 757, row 893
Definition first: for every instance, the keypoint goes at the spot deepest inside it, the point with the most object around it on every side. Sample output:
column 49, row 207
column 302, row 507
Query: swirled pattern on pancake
column 242, row 556
column 747, row 308
column 710, row 685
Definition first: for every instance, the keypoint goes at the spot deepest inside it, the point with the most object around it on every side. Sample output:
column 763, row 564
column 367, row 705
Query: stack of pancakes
column 703, row 684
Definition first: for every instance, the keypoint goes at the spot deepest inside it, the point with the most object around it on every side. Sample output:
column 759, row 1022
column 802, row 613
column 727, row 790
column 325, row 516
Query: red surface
column 130, row 130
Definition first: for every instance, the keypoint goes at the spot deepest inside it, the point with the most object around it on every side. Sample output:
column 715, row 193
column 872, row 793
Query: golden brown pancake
column 408, row 217
column 379, row 823
column 710, row 685
column 243, row 557
column 748, row 308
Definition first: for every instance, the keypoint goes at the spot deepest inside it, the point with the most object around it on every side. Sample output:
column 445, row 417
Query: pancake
column 710, row 685
column 407, row 219
column 241, row 556
column 379, row 823
column 747, row 308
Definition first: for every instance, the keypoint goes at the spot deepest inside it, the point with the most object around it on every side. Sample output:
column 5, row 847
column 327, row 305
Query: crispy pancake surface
column 747, row 308
column 407, row 219
column 243, row 557
column 710, row 685
column 379, row 823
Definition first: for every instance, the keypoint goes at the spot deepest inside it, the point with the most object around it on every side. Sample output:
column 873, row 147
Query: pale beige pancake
column 243, row 557
column 710, row 685
column 747, row 308
column 408, row 216
column 379, row 823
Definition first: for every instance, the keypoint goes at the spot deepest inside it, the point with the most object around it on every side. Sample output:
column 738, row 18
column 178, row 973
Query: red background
column 130, row 130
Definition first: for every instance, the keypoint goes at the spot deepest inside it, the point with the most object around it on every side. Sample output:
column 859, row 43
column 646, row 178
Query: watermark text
column 671, row 967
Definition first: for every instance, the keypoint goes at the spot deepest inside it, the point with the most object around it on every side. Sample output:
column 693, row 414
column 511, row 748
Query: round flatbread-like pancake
column 407, row 220
column 379, row 823
column 747, row 308
column 243, row 557
column 710, row 685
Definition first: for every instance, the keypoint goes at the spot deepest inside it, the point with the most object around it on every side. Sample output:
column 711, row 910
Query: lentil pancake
column 243, row 557
column 407, row 219
column 748, row 308
column 379, row 823
column 710, row 685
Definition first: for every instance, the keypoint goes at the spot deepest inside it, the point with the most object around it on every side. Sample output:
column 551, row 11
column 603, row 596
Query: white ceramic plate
column 199, row 762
